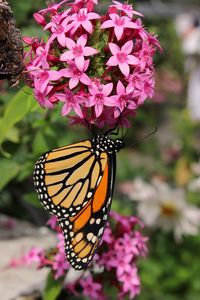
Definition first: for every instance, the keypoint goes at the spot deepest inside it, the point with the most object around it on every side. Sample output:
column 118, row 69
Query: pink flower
column 130, row 282
column 122, row 100
column 43, row 97
column 52, row 222
column 60, row 265
column 75, row 75
column 58, row 27
column 129, row 245
column 78, row 51
column 91, row 289
column 126, row 8
column 122, row 58
column 146, row 55
column 108, row 237
column 61, row 244
column 123, row 264
column 34, row 255
column 98, row 96
column 52, row 7
column 43, row 78
column 82, row 18
column 144, row 84
column 119, row 23
column 39, row 19
column 41, row 58
column 72, row 101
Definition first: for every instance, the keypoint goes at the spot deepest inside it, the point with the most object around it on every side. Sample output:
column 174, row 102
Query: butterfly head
column 104, row 143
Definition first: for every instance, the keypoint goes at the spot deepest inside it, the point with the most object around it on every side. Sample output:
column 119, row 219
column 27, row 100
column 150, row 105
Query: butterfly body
column 75, row 183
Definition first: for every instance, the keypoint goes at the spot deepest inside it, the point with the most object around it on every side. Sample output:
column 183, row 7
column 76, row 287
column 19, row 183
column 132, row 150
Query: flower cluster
column 99, row 67
column 161, row 206
column 116, row 260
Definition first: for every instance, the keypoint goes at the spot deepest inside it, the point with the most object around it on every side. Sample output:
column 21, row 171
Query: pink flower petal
column 73, row 82
column 132, row 60
column 61, row 39
column 80, row 62
column 78, row 110
column 67, row 55
column 120, row 88
column 125, row 69
column 82, row 40
column 107, row 24
column 61, row 97
column 87, row 25
column 118, row 32
column 107, row 88
column 98, row 109
column 66, row 109
column 114, row 48
column 92, row 16
column 85, row 79
column 87, row 51
column 70, row 43
column 112, row 61
column 54, row 75
column 128, row 47
column 132, row 25
column 66, row 72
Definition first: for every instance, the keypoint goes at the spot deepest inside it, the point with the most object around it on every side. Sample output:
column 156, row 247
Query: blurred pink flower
column 91, row 289
column 60, row 265
column 78, row 51
column 52, row 7
column 122, row 58
column 131, row 282
column 126, row 8
column 34, row 255
column 52, row 222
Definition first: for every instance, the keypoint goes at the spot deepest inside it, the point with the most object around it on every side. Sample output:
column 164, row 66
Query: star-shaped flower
column 77, row 51
column 119, row 23
column 122, row 57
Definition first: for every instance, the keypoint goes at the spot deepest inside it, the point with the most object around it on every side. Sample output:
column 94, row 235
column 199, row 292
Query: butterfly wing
column 76, row 183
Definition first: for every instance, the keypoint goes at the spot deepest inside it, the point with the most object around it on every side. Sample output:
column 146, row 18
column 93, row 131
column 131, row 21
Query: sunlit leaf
column 15, row 111
column 53, row 288
column 8, row 170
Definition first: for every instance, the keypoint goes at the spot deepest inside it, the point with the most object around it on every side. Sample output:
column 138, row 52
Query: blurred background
column 165, row 164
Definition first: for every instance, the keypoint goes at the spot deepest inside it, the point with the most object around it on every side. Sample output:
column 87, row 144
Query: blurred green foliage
column 171, row 271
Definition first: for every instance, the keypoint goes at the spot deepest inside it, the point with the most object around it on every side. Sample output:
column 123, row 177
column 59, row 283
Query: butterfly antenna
column 146, row 136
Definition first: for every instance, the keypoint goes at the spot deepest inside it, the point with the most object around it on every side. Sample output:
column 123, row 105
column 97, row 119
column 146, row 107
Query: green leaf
column 8, row 170
column 32, row 199
column 40, row 144
column 53, row 288
column 15, row 111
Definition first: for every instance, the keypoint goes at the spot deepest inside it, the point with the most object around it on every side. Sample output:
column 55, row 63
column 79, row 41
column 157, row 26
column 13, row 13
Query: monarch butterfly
column 75, row 183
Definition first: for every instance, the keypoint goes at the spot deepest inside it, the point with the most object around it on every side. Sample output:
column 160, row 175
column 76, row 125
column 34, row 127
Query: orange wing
column 83, row 232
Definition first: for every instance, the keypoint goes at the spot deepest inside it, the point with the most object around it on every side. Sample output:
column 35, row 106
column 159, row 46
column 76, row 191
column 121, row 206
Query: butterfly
column 11, row 45
column 75, row 183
